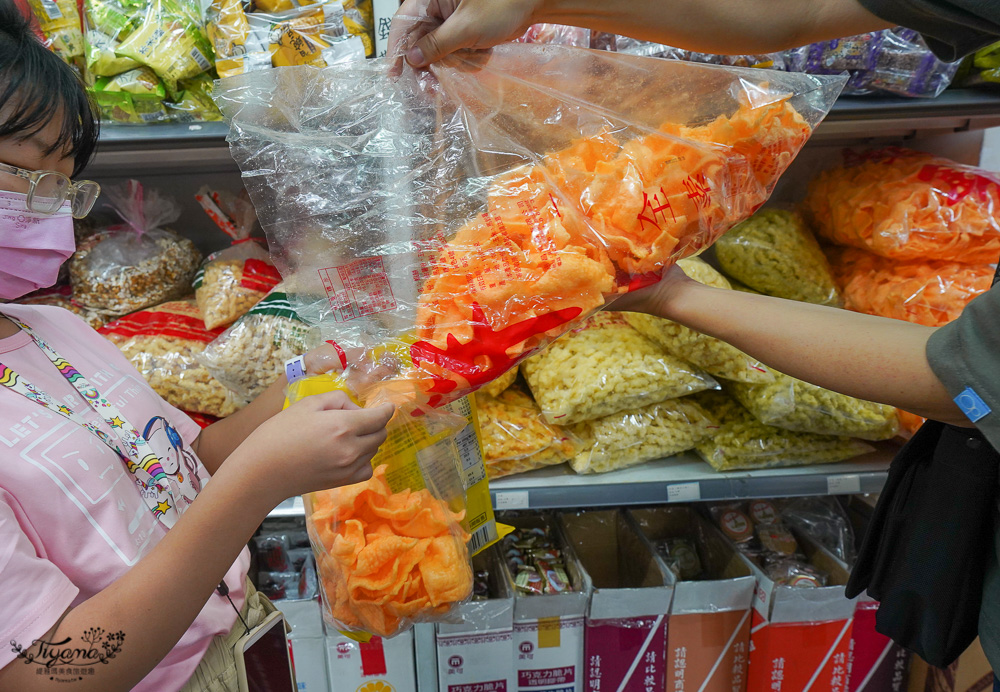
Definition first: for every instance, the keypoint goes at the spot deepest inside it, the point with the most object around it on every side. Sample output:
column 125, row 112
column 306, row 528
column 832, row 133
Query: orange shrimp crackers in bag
column 466, row 216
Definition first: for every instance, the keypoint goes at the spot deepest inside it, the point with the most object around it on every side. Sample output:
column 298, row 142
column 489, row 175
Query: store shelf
column 683, row 478
column 202, row 146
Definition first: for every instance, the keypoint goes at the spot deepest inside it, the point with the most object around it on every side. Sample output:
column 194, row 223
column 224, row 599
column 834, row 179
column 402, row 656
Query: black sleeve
column 952, row 28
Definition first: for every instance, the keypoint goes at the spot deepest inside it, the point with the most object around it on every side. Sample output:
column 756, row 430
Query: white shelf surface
column 683, row 478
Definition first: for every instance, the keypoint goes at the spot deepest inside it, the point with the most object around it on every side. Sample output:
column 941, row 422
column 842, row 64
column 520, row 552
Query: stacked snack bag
column 915, row 235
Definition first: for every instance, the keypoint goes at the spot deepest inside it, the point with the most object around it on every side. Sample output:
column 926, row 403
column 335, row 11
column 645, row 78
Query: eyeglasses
column 49, row 190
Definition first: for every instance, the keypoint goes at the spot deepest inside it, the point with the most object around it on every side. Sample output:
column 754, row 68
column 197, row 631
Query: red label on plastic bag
column 791, row 657
column 173, row 325
column 546, row 677
column 954, row 184
column 259, row 276
column 372, row 657
column 358, row 289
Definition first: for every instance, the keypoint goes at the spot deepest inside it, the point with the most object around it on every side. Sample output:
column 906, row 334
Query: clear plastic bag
column 514, row 436
column 235, row 279
column 62, row 297
column 535, row 556
column 105, row 24
column 907, row 205
column 60, row 24
column 170, row 39
column 391, row 551
column 634, row 46
column 743, row 442
column 250, row 355
column 931, row 293
column 712, row 355
column 774, row 253
column 633, row 437
column 467, row 217
column 603, row 367
column 894, row 61
column 556, row 35
column 138, row 263
column 792, row 404
column 825, row 520
column 313, row 34
column 163, row 344
column 500, row 384
column 135, row 96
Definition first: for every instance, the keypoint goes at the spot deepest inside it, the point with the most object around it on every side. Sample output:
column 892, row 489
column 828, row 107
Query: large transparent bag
column 470, row 214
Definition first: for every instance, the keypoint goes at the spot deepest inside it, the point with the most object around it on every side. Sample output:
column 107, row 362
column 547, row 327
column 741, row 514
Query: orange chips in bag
column 929, row 293
column 388, row 556
column 908, row 205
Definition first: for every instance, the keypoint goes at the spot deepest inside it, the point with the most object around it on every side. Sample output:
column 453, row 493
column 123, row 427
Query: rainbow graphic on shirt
column 8, row 378
column 151, row 465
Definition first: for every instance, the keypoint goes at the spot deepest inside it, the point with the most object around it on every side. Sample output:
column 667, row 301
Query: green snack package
column 194, row 102
column 106, row 23
column 60, row 22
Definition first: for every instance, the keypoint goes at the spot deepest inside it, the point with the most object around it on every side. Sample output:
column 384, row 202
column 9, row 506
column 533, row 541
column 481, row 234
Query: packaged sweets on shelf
column 792, row 404
column 535, row 560
column 927, row 292
column 681, row 556
column 232, row 281
column 135, row 96
column 774, row 253
column 633, row 46
column 250, row 355
column 497, row 386
column 712, row 355
column 907, row 205
column 163, row 343
column 823, row 519
column 743, row 442
column 894, row 61
column 169, row 37
column 105, row 24
column 463, row 264
column 138, row 263
column 631, row 437
column 603, row 367
column 60, row 23
column 514, row 436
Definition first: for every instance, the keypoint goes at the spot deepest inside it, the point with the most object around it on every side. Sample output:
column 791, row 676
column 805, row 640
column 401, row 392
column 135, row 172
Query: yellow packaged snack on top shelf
column 60, row 22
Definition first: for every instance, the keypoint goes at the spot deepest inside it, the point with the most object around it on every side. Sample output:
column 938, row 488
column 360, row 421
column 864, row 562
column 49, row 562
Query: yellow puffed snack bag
column 60, row 22
column 106, row 23
column 605, row 367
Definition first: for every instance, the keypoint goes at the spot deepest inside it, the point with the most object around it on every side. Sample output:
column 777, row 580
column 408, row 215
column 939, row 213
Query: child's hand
column 361, row 371
column 655, row 299
column 320, row 442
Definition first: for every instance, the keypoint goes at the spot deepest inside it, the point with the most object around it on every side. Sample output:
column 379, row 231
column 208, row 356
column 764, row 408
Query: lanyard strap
column 131, row 447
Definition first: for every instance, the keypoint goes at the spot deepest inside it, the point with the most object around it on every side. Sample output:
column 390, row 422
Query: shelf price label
column 846, row 484
column 515, row 499
column 684, row 492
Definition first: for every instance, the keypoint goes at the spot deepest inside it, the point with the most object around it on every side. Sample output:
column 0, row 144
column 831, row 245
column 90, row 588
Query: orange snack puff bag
column 467, row 216
column 396, row 548
column 908, row 205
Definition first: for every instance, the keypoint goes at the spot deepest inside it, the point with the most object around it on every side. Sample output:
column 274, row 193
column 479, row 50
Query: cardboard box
column 626, row 626
column 800, row 637
column 385, row 665
column 970, row 673
column 708, row 639
column 477, row 655
column 307, row 643
column 549, row 628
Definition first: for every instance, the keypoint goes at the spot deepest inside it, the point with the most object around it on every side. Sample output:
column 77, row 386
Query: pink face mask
column 32, row 245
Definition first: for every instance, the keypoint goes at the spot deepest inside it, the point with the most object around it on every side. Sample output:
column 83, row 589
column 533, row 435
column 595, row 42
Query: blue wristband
column 295, row 368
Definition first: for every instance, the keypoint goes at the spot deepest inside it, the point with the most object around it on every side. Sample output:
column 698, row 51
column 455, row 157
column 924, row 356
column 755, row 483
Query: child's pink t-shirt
column 71, row 516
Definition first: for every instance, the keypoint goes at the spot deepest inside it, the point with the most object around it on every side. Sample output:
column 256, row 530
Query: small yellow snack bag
column 605, row 367
column 515, row 438
column 60, row 22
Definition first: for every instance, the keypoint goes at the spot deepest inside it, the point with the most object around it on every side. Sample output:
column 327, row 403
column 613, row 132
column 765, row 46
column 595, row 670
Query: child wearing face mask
column 114, row 560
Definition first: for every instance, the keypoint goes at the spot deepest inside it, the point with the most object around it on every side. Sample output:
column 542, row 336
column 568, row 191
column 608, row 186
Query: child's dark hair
column 36, row 86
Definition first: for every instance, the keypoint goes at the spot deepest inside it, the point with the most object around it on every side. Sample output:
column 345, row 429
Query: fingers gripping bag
column 250, row 355
column 138, row 263
column 396, row 549
column 715, row 357
column 907, row 205
column 468, row 215
column 516, row 437
column 235, row 279
column 603, row 367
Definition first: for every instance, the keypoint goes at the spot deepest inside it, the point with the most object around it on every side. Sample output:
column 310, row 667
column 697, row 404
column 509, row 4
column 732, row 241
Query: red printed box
column 708, row 642
column 626, row 628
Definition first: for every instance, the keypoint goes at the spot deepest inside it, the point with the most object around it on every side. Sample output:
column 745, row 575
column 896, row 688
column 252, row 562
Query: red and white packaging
column 878, row 664
column 631, row 590
column 800, row 637
column 709, row 631
column 380, row 664
column 477, row 655
column 549, row 628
